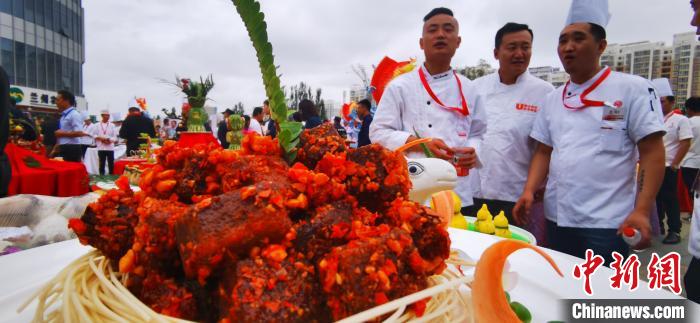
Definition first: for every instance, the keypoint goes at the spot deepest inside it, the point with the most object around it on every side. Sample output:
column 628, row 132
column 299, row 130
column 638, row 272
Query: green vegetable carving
column 254, row 21
column 235, row 135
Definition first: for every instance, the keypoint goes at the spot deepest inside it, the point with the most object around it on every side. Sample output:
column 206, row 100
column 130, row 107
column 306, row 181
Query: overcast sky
column 131, row 45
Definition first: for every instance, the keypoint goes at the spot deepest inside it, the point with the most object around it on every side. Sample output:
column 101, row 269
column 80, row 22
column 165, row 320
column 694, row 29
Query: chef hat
column 663, row 87
column 104, row 111
column 116, row 117
column 590, row 11
column 85, row 116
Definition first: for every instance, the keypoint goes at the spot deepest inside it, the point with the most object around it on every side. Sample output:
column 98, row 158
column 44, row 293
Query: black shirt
column 221, row 134
column 363, row 136
column 48, row 130
column 134, row 126
column 272, row 128
column 341, row 130
column 313, row 122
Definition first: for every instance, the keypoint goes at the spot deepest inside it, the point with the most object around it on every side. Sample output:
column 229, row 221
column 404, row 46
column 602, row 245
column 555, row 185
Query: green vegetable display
column 254, row 21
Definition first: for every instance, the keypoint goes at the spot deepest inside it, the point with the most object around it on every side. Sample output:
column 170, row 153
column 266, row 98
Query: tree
column 320, row 105
column 474, row 72
column 238, row 108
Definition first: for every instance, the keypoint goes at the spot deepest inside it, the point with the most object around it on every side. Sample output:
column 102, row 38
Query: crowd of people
column 601, row 153
column 356, row 131
column 595, row 152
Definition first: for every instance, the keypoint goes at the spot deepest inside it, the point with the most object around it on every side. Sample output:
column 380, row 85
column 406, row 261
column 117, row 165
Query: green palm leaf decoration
column 254, row 21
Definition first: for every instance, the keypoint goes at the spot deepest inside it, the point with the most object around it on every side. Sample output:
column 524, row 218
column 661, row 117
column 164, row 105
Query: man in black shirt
column 223, row 129
column 271, row 126
column 339, row 127
column 363, row 111
column 134, row 125
column 48, row 129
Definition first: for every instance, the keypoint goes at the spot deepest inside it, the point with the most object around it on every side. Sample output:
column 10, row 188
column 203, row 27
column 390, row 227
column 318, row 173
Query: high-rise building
column 358, row 92
column 553, row 75
column 680, row 63
column 42, row 49
column 332, row 108
column 646, row 59
column 685, row 75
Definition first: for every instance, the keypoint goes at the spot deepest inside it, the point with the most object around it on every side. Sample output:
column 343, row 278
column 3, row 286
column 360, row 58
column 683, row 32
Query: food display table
column 189, row 139
column 92, row 160
column 538, row 286
column 35, row 174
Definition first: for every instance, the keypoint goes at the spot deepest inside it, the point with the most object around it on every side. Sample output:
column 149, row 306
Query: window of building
column 18, row 8
column 39, row 12
column 76, row 78
column 31, row 65
column 65, row 73
column 20, row 63
column 6, row 6
column 48, row 10
column 41, row 68
column 7, row 57
column 29, row 10
column 50, row 71
column 56, row 16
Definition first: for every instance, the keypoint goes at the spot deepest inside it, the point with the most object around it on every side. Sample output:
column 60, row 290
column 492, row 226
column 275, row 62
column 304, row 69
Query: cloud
column 130, row 47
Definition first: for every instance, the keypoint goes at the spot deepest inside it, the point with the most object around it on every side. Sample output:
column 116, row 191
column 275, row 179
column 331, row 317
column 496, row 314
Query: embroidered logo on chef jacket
column 526, row 107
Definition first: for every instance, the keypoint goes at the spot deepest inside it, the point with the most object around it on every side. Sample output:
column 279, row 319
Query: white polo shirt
column 593, row 164
column 692, row 158
column 677, row 129
column 507, row 148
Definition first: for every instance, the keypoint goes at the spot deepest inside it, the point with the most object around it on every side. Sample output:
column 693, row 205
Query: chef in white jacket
column 434, row 101
column 513, row 97
column 590, row 131
column 677, row 142
column 105, row 134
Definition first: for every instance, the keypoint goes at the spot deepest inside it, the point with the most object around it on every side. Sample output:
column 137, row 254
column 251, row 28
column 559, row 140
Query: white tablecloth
column 538, row 287
column 92, row 161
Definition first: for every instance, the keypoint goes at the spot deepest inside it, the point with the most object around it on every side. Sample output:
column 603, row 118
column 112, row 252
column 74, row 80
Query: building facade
column 42, row 49
column 646, row 59
column 553, row 75
column 358, row 93
column 680, row 63
column 685, row 74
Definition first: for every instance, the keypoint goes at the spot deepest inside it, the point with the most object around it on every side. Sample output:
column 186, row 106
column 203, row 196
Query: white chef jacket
column 507, row 148
column 692, row 158
column 105, row 130
column 593, row 164
column 255, row 126
column 677, row 129
column 406, row 108
column 87, row 140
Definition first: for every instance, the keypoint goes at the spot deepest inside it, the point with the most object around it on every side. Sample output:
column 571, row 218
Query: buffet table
column 92, row 161
column 538, row 286
column 35, row 174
